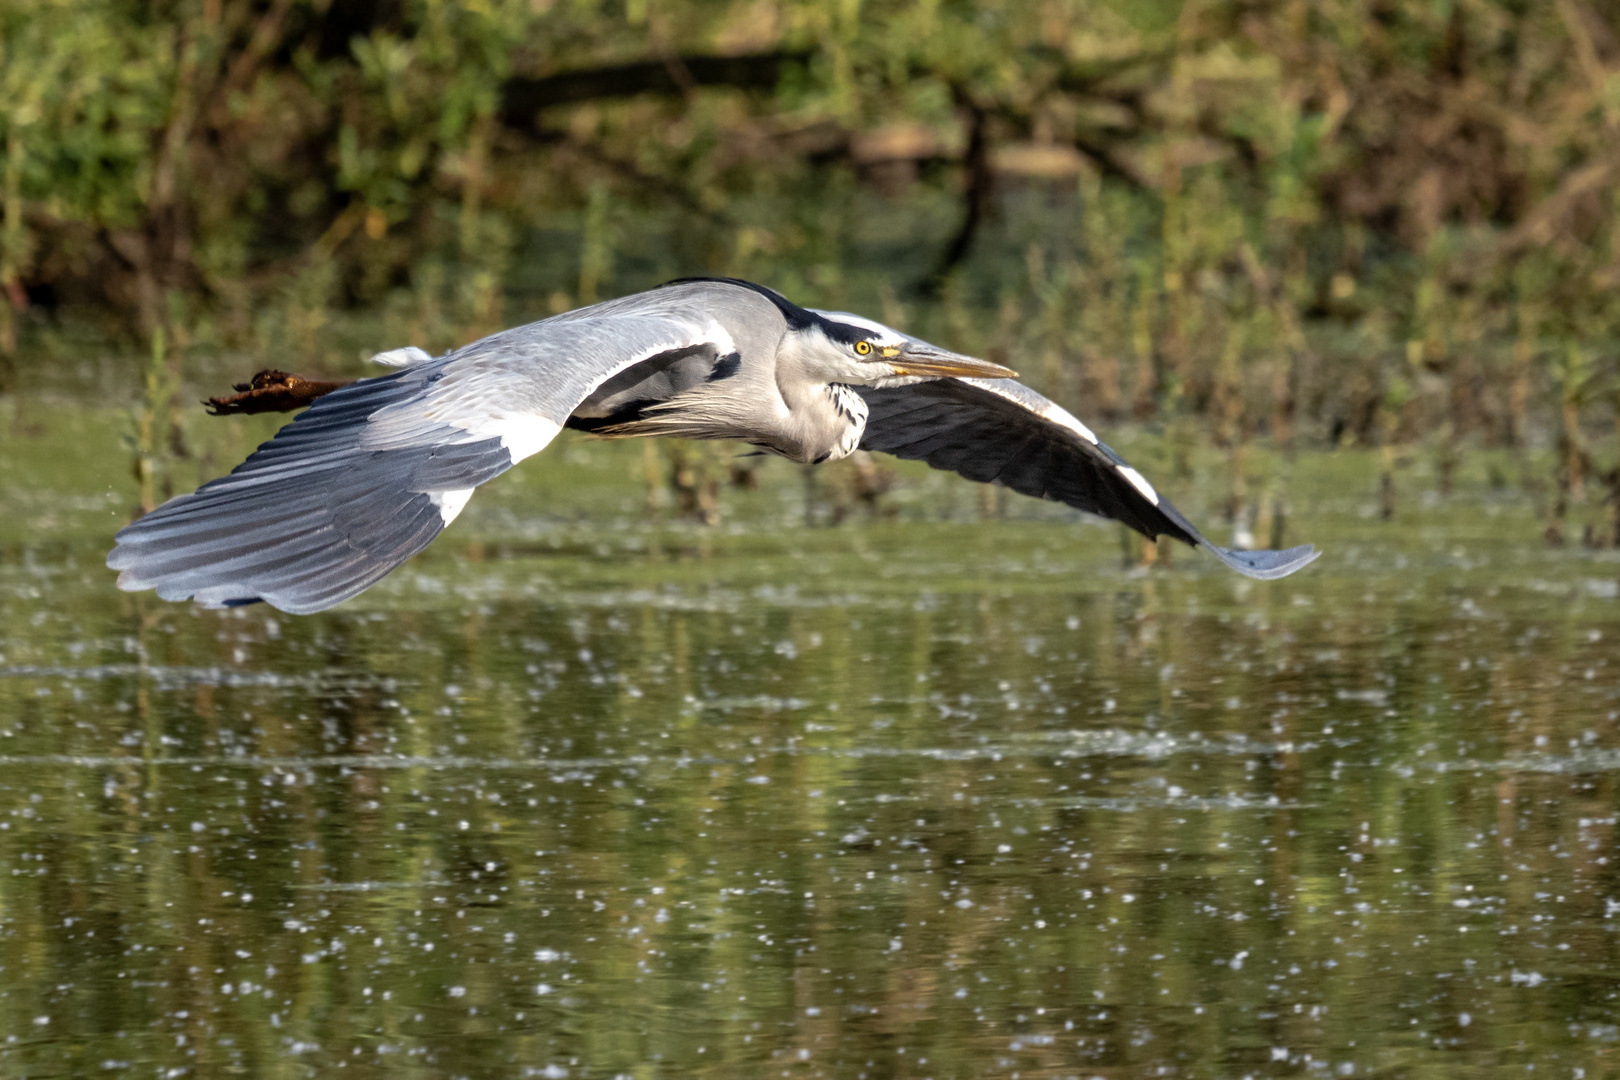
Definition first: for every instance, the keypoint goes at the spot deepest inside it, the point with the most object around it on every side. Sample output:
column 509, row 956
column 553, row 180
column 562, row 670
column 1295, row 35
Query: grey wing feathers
column 1266, row 565
column 370, row 474
column 1002, row 431
column 311, row 518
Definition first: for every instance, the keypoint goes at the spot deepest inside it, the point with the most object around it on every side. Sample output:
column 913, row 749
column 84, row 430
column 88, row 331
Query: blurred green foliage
column 1345, row 221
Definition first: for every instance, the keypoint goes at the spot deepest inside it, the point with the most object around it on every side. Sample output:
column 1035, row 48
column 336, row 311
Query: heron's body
column 375, row 470
column 780, row 400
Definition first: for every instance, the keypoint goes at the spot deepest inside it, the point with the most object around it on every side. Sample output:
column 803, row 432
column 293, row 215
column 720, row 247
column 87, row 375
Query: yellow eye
column 862, row 348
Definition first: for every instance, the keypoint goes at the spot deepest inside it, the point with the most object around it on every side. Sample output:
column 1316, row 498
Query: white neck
column 825, row 418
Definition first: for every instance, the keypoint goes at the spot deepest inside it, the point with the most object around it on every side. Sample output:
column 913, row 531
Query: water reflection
column 919, row 800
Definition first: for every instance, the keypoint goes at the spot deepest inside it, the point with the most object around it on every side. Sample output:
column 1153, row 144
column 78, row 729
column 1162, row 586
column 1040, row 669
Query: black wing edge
column 997, row 433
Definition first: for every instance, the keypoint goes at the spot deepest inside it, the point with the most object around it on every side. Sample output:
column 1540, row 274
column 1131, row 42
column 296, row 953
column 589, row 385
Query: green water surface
column 581, row 794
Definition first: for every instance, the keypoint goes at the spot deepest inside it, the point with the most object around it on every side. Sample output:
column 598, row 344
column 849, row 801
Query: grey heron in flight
column 374, row 470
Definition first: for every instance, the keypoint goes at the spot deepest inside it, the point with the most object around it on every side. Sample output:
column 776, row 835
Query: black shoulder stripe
column 725, row 367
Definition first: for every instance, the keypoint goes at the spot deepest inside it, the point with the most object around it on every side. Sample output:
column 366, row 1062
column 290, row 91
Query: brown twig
column 271, row 391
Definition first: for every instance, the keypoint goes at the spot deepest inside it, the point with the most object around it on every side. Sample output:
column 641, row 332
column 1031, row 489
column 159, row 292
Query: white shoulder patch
column 717, row 334
column 1064, row 418
column 450, row 503
column 406, row 357
column 1138, row 483
column 523, row 436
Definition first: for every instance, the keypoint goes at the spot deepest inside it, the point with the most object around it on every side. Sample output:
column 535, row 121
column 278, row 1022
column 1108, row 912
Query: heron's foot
column 271, row 391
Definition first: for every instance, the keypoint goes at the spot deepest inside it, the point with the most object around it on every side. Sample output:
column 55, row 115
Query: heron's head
column 846, row 348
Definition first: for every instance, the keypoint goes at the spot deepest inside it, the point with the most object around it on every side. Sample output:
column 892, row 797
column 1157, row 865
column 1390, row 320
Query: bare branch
column 523, row 98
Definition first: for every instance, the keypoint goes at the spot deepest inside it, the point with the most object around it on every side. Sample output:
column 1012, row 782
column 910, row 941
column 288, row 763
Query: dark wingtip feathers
column 1266, row 565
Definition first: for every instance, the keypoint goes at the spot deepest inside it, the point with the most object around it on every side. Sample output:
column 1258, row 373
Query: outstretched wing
column 1000, row 430
column 371, row 473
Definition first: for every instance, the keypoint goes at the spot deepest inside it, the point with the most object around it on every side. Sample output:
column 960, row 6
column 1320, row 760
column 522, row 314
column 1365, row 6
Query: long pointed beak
column 919, row 359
